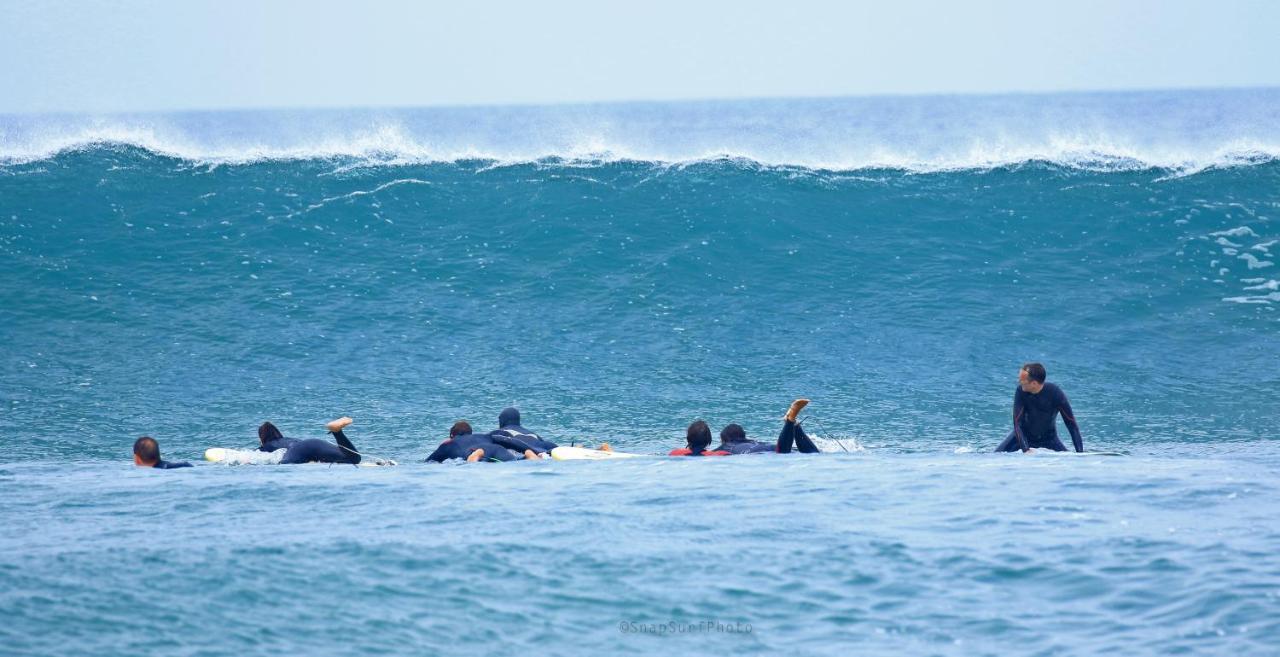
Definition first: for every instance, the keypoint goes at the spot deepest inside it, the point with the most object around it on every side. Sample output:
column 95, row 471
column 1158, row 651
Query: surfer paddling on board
column 146, row 454
column 733, row 438
column 1035, row 405
column 310, row 450
column 463, row 443
column 513, row 436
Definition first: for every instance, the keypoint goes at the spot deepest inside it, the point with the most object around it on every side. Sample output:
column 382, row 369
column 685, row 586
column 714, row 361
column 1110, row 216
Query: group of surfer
column 1036, row 405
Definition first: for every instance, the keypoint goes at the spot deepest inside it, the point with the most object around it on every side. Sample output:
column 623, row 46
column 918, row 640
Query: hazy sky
column 197, row 54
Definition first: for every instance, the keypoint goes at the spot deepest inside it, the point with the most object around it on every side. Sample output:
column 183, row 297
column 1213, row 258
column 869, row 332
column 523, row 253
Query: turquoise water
column 617, row 271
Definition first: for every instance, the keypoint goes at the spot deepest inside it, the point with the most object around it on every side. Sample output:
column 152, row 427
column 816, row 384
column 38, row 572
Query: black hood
column 509, row 417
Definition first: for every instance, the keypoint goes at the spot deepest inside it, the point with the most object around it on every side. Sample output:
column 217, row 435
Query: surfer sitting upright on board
column 513, row 436
column 733, row 438
column 311, row 450
column 1035, row 405
column 463, row 443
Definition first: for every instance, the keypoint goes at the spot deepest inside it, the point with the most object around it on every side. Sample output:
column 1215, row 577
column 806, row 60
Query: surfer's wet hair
column 459, row 428
column 268, row 432
column 1035, row 371
column 147, row 449
column 733, row 433
column 699, row 436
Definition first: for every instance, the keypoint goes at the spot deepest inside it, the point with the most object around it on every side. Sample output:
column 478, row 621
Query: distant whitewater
column 1180, row 131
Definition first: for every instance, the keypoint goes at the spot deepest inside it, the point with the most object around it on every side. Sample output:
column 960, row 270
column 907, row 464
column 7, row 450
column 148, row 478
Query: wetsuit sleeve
column 1018, row 411
column 1069, row 419
column 517, row 442
column 441, row 454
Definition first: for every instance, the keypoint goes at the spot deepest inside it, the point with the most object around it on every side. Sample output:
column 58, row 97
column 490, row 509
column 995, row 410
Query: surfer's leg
column 348, row 450
column 788, row 434
column 786, row 437
column 1054, row 444
column 315, row 450
column 1010, row 444
column 803, row 443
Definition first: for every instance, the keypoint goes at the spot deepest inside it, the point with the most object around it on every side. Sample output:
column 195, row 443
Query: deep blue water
column 617, row 271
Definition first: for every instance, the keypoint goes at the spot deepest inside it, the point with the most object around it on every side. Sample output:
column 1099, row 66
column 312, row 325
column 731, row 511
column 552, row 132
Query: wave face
column 622, row 298
column 617, row 272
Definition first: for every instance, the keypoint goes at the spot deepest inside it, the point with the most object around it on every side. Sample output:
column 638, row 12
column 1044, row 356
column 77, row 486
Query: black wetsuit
column 791, row 433
column 314, row 450
column 460, row 447
column 170, row 465
column 1034, row 422
column 514, row 436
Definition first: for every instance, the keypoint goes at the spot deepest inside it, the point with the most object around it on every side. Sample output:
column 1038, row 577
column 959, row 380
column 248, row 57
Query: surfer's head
column 146, row 452
column 698, row 436
column 268, row 432
column 459, row 428
column 509, row 417
column 1031, row 377
column 733, row 433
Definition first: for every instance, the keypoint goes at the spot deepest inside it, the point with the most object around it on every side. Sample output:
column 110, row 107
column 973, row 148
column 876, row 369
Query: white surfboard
column 585, row 454
column 229, row 456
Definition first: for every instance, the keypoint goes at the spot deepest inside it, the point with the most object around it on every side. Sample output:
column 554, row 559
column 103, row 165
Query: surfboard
column 584, row 454
column 228, row 456
column 1049, row 452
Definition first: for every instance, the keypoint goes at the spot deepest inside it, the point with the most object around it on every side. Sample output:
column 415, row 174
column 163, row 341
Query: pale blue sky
column 144, row 55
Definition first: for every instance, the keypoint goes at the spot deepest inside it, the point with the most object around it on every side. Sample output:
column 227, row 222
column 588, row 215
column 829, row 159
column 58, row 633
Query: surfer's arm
column 442, row 452
column 1069, row 419
column 1018, row 410
column 515, row 442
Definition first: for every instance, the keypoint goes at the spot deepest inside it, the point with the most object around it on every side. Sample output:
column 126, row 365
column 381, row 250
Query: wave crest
column 1178, row 132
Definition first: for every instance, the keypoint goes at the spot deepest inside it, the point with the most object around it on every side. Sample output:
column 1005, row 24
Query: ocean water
column 617, row 271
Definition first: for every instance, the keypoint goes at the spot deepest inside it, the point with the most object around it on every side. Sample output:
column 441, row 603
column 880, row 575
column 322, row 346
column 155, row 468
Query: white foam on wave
column 1104, row 132
column 377, row 150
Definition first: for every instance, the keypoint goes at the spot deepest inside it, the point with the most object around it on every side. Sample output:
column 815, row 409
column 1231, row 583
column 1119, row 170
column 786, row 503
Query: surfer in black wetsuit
column 512, row 435
column 733, row 438
column 467, row 445
column 1035, row 405
column 310, row 450
column 146, row 454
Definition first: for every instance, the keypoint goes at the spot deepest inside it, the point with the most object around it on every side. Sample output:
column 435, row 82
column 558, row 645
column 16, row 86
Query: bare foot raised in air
column 338, row 424
column 796, row 407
